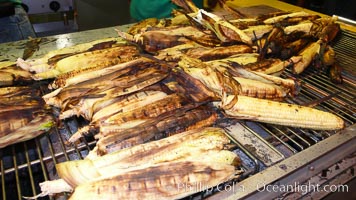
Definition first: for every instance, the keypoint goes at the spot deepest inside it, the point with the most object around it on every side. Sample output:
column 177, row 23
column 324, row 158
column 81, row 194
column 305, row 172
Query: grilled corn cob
column 162, row 181
column 276, row 19
column 79, row 76
column 11, row 74
column 281, row 113
column 118, row 83
column 306, row 56
column 120, row 108
column 176, row 121
column 219, row 157
column 258, row 89
column 30, row 65
column 170, row 148
column 148, row 109
column 39, row 125
column 103, row 58
column 239, row 59
column 259, row 109
column 23, row 115
column 224, row 30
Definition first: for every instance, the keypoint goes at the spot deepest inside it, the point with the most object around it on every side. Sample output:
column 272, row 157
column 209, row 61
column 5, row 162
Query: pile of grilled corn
column 172, row 95
column 154, row 170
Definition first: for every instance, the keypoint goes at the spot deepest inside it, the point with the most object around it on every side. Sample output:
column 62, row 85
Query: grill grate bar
column 329, row 106
column 16, row 172
column 314, row 82
column 42, row 159
column 62, row 145
column 244, row 146
column 312, row 137
column 29, row 169
column 3, row 179
column 299, row 137
column 251, row 157
column 52, row 154
column 261, row 138
column 74, row 146
column 264, row 127
column 289, row 138
column 344, row 47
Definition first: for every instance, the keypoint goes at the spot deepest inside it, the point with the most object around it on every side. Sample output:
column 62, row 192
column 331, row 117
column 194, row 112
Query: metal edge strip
column 295, row 169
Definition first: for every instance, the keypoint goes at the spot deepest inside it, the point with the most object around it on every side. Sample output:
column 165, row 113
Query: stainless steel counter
column 13, row 50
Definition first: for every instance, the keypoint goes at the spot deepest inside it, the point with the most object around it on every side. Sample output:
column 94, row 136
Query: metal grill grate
column 23, row 166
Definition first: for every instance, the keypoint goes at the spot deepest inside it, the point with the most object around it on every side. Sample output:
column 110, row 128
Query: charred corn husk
column 167, row 149
column 269, row 66
column 210, row 76
column 152, row 109
column 304, row 116
column 15, row 119
column 290, row 86
column 249, row 84
column 120, row 110
column 224, row 30
column 306, row 56
column 79, row 76
column 39, row 125
column 158, row 39
column 258, row 89
column 23, row 115
column 18, row 92
column 162, row 181
column 188, row 5
column 97, row 58
column 30, row 65
column 136, row 114
column 239, row 59
column 218, row 157
column 279, row 18
column 4, row 64
column 133, row 101
column 281, row 113
column 176, row 121
column 10, row 74
column 203, row 53
column 256, row 32
column 118, row 83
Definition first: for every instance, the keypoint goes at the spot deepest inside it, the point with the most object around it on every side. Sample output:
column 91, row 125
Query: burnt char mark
column 178, row 169
column 169, row 123
column 262, row 65
column 192, row 88
column 228, row 33
column 102, row 45
column 206, row 53
column 138, row 156
column 155, row 151
column 154, row 41
column 16, row 119
column 159, row 87
column 113, row 189
column 98, row 190
column 54, row 59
